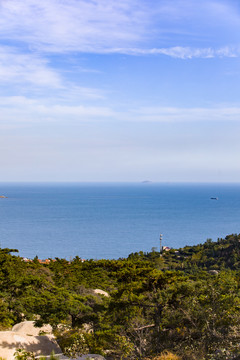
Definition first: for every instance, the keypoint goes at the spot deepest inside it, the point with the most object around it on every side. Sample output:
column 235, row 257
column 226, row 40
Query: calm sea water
column 97, row 221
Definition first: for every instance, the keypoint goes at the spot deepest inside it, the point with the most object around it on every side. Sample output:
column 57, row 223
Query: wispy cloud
column 28, row 69
column 16, row 67
column 174, row 114
column 17, row 110
column 20, row 109
column 72, row 25
column 32, row 31
column 102, row 25
column 183, row 52
column 33, row 74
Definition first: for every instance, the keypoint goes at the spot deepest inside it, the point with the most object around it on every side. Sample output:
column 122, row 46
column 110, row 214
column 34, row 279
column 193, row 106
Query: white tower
column 161, row 243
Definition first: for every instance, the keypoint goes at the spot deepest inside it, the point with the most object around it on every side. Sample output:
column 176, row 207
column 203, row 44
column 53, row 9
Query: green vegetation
column 181, row 304
column 21, row 354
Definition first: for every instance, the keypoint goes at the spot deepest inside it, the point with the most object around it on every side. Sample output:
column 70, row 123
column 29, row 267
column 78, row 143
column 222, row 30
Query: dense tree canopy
column 186, row 301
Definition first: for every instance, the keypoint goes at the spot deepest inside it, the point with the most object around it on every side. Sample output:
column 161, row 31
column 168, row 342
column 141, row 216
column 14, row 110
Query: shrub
column 165, row 355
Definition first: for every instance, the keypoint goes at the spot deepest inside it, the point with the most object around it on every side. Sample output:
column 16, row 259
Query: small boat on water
column 214, row 198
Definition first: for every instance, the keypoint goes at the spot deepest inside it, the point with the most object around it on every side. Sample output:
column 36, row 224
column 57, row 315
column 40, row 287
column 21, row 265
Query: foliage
column 165, row 355
column 22, row 354
column 185, row 301
column 73, row 342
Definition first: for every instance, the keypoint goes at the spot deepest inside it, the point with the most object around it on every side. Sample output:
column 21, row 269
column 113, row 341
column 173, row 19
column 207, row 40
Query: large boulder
column 10, row 341
column 26, row 336
column 28, row 328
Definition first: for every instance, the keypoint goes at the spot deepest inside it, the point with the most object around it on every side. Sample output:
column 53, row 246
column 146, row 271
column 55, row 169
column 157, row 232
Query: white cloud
column 183, row 52
column 31, row 74
column 19, row 67
column 174, row 114
column 72, row 25
column 74, row 93
column 31, row 71
column 20, row 109
column 103, row 26
column 31, row 30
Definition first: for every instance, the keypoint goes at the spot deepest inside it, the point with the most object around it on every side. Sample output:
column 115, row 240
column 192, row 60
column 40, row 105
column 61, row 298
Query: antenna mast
column 161, row 243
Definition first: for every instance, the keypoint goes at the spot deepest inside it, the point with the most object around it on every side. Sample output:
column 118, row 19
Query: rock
column 101, row 292
column 213, row 272
column 10, row 341
column 26, row 336
column 28, row 328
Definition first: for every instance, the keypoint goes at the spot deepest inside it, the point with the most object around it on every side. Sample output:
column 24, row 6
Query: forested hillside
column 185, row 301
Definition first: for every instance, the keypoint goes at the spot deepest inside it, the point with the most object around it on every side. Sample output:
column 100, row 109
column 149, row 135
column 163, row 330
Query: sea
column 110, row 221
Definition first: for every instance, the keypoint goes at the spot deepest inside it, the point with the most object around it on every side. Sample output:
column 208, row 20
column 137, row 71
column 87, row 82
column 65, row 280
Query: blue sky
column 100, row 90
